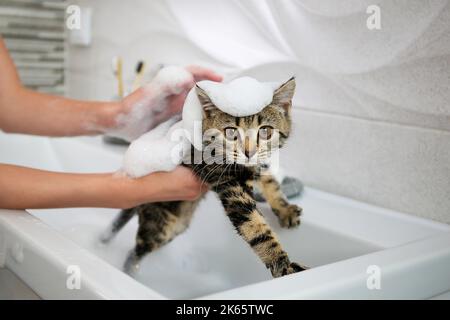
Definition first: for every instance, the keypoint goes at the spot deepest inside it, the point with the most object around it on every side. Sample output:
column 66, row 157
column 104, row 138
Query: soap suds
column 154, row 151
column 169, row 81
column 241, row 97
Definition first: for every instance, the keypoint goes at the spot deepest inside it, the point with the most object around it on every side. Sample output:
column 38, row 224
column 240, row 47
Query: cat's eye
column 231, row 133
column 265, row 132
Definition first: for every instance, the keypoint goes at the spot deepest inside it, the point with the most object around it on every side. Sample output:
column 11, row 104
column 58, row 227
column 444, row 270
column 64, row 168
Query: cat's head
column 252, row 139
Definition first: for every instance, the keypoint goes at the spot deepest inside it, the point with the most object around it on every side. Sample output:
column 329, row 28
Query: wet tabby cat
column 233, row 182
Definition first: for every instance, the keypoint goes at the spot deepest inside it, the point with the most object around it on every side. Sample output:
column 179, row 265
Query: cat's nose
column 249, row 150
column 250, row 153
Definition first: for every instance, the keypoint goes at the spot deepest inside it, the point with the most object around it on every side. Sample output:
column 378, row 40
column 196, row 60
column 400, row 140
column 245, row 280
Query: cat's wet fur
column 160, row 222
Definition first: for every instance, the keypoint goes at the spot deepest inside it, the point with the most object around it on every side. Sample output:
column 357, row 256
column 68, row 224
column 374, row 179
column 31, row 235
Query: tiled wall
column 372, row 110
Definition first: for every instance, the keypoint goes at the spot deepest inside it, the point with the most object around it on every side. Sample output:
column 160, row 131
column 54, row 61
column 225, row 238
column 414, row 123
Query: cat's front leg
column 252, row 227
column 288, row 214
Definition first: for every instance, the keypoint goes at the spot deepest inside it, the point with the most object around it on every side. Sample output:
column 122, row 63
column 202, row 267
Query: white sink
column 339, row 238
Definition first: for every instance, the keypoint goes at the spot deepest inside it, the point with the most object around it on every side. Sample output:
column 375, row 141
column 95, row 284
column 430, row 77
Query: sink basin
column 345, row 242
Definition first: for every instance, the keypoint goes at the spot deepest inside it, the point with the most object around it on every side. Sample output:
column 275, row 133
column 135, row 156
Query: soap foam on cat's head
column 241, row 97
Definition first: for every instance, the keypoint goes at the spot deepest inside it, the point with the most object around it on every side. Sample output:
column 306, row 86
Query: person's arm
column 26, row 111
column 25, row 188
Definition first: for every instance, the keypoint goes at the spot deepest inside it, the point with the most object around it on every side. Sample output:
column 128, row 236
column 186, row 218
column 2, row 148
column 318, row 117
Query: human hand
column 201, row 73
column 175, row 102
column 157, row 101
column 178, row 184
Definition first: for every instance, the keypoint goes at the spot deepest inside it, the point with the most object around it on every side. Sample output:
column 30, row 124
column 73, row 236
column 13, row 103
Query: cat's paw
column 297, row 267
column 106, row 236
column 131, row 265
column 286, row 268
column 289, row 216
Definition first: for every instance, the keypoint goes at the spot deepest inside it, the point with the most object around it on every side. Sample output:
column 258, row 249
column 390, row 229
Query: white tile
column 398, row 167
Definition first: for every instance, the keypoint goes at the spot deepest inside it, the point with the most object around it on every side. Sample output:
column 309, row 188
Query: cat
column 233, row 182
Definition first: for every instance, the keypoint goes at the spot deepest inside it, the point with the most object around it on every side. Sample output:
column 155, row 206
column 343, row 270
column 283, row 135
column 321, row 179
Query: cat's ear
column 207, row 105
column 282, row 96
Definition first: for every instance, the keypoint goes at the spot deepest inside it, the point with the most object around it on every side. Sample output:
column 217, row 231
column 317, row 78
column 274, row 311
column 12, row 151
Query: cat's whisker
column 223, row 171
column 197, row 172
column 204, row 180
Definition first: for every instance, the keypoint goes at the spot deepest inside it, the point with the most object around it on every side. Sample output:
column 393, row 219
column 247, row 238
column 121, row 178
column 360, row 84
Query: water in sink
column 209, row 257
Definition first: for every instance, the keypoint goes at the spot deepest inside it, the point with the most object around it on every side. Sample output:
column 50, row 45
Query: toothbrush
column 139, row 74
column 118, row 73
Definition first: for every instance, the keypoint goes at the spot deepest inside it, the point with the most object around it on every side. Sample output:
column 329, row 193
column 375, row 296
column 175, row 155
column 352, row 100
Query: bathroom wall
column 372, row 109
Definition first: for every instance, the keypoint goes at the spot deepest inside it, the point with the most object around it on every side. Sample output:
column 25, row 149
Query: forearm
column 25, row 188
column 26, row 111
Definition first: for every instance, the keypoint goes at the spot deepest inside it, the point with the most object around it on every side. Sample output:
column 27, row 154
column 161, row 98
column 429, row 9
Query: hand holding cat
column 178, row 184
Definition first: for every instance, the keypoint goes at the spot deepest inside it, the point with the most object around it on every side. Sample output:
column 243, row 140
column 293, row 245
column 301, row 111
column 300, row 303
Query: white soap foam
column 140, row 119
column 241, row 97
column 192, row 119
column 152, row 151
column 173, row 79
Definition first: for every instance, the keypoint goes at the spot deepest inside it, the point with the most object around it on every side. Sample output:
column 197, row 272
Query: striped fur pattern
column 233, row 182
